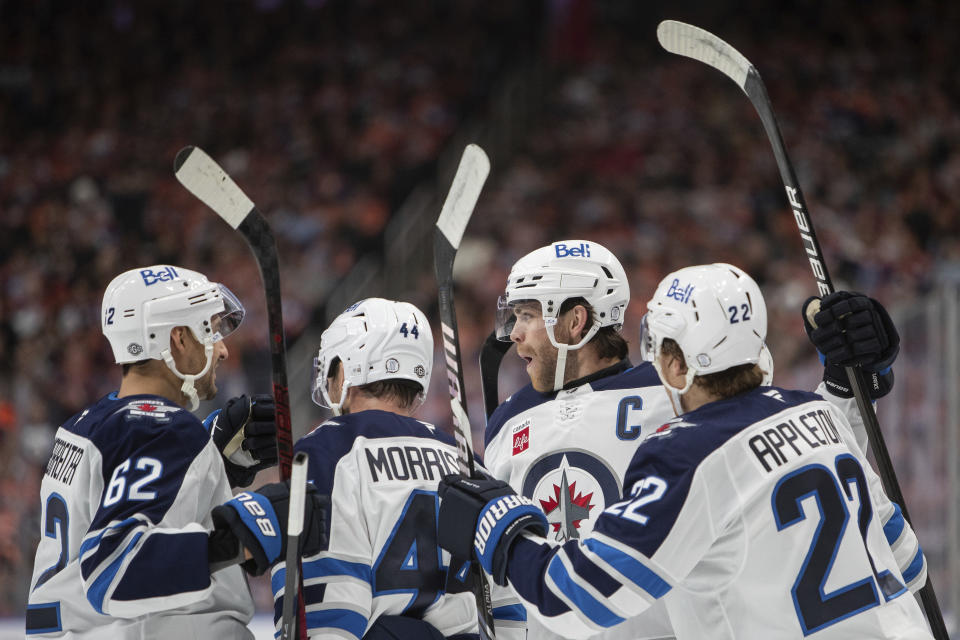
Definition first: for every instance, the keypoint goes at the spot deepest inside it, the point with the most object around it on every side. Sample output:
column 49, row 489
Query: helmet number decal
column 109, row 318
column 745, row 308
column 411, row 332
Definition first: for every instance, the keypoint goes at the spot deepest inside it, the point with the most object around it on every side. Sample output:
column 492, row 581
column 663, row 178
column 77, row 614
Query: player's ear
column 179, row 337
column 677, row 366
column 579, row 319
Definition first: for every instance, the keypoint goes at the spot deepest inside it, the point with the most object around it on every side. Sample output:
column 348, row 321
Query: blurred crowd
column 663, row 160
column 327, row 113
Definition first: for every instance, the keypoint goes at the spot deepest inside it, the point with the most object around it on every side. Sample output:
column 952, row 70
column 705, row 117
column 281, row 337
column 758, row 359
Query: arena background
column 344, row 121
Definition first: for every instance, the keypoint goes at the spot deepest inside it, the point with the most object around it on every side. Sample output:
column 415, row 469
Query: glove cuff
column 878, row 384
column 242, row 520
column 239, row 476
column 502, row 520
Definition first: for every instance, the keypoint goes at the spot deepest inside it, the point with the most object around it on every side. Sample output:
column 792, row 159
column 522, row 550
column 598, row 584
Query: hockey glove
column 257, row 521
column 848, row 330
column 246, row 434
column 488, row 515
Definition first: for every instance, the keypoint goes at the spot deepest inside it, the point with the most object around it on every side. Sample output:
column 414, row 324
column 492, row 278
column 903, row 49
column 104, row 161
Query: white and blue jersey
column 381, row 472
column 126, row 500
column 751, row 517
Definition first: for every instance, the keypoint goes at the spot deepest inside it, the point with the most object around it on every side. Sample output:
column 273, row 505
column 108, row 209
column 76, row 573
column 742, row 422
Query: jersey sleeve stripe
column 97, row 591
column 915, row 567
column 327, row 567
column 894, row 526
column 510, row 612
column 89, row 563
column 343, row 619
column 630, row 568
column 569, row 590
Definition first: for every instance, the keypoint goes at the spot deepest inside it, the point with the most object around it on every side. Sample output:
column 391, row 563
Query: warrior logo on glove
column 495, row 512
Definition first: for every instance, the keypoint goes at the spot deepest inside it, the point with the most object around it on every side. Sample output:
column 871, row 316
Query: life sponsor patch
column 521, row 436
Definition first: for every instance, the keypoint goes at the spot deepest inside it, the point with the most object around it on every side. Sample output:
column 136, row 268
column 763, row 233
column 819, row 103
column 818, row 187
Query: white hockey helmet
column 561, row 271
column 141, row 307
column 715, row 313
column 374, row 339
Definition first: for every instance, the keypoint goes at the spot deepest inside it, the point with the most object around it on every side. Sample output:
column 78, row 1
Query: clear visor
column 227, row 321
column 321, row 383
column 522, row 315
column 647, row 344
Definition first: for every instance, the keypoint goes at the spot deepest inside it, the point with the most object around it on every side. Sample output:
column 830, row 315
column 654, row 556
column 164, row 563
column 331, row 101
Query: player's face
column 207, row 384
column 533, row 345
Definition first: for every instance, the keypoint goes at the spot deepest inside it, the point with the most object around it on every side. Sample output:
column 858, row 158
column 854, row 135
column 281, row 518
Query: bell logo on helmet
column 134, row 349
column 678, row 293
column 166, row 274
column 581, row 251
column 420, row 370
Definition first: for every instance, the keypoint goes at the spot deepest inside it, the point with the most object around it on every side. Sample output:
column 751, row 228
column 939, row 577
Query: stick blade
column 298, row 493
column 464, row 193
column 205, row 179
column 687, row 40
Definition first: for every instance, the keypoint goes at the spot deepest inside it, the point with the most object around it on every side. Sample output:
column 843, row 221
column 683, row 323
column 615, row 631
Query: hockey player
column 382, row 574
column 750, row 515
column 130, row 548
column 566, row 439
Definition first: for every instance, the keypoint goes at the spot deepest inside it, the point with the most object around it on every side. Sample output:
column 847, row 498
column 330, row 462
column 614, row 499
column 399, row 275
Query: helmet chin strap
column 188, row 389
column 337, row 407
column 562, row 349
column 674, row 392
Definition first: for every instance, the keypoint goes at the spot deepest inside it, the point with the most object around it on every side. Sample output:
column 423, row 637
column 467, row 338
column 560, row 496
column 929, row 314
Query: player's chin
column 541, row 381
column 209, row 390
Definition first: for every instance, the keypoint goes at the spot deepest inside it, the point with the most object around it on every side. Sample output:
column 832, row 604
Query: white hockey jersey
column 751, row 517
column 569, row 452
column 126, row 501
column 381, row 471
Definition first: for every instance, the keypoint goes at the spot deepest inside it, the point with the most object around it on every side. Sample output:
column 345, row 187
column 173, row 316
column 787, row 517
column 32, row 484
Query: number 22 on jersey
column 831, row 490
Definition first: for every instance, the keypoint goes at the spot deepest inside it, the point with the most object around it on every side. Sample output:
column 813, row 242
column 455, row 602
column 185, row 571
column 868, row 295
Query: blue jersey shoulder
column 668, row 459
column 700, row 432
column 139, row 425
column 145, row 439
column 642, row 375
column 523, row 400
column 333, row 439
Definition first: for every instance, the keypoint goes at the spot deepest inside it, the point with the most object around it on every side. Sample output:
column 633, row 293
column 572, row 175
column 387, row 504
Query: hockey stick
column 298, row 494
column 454, row 216
column 491, row 354
column 693, row 42
column 206, row 180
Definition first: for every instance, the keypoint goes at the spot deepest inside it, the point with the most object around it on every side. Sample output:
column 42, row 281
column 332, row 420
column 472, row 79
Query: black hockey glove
column 257, row 521
column 485, row 516
column 245, row 432
column 850, row 329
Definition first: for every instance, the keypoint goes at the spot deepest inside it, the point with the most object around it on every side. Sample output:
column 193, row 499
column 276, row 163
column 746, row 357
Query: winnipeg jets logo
column 668, row 429
column 151, row 409
column 572, row 487
column 566, row 508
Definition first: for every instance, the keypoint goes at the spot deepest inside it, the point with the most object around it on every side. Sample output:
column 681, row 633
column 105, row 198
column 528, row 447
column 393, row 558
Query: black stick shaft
column 758, row 96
